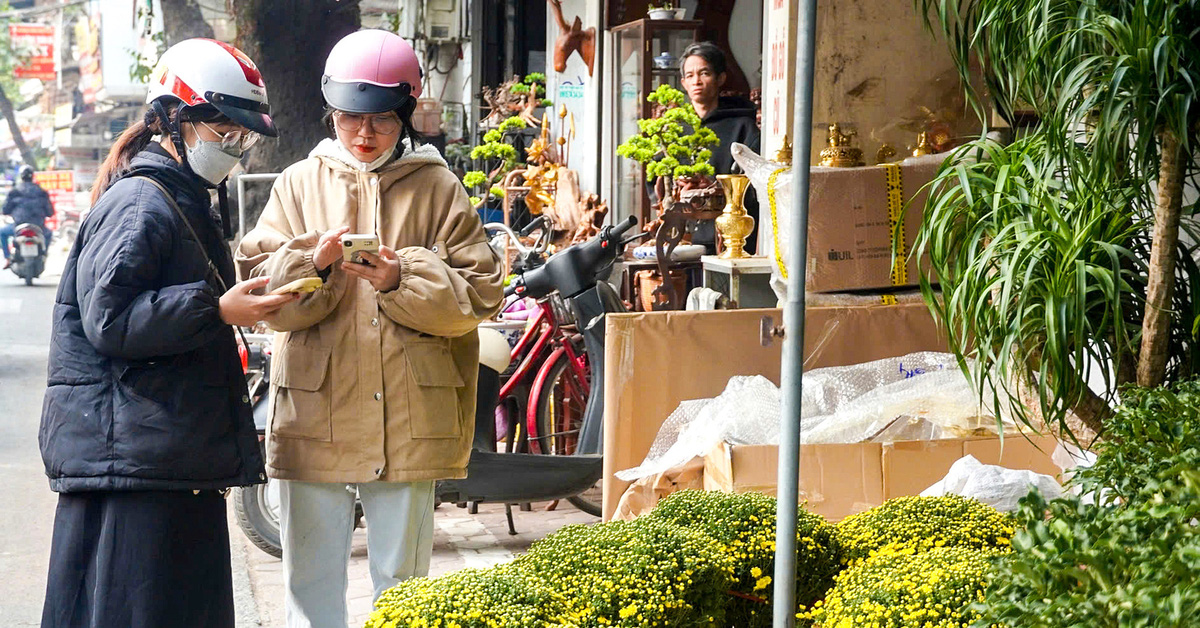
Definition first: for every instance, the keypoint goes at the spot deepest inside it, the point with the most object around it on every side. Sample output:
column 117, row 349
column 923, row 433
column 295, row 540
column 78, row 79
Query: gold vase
column 733, row 224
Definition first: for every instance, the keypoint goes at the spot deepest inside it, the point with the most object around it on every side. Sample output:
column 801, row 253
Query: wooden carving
column 572, row 38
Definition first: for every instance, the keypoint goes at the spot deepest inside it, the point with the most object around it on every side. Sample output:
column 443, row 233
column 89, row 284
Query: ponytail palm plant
column 1059, row 254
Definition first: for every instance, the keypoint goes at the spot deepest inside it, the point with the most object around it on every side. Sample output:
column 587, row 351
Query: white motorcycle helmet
column 208, row 72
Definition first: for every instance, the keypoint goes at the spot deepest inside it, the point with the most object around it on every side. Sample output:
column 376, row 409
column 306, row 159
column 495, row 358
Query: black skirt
column 142, row 559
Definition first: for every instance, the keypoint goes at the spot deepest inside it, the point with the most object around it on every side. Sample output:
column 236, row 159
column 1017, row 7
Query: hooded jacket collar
column 730, row 107
column 331, row 151
column 155, row 162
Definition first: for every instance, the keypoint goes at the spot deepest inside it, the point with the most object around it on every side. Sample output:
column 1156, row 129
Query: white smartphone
column 354, row 245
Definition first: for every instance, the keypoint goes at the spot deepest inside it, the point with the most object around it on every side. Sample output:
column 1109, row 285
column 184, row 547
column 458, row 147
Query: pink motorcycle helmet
column 371, row 71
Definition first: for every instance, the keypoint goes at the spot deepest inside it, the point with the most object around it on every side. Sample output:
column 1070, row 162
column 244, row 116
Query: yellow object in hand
column 307, row 284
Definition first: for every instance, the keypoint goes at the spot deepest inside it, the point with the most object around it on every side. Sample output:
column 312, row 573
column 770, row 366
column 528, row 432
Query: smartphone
column 354, row 245
column 305, row 285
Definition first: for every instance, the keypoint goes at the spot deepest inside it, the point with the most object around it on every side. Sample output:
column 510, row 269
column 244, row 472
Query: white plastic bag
column 999, row 487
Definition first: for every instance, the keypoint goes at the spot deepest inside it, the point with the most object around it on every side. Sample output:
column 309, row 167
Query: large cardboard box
column 840, row 480
column 858, row 217
column 655, row 360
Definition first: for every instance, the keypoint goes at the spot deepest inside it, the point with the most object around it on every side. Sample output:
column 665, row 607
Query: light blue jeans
column 316, row 526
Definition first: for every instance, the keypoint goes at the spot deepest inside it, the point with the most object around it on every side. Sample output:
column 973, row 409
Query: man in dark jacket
column 732, row 118
column 26, row 203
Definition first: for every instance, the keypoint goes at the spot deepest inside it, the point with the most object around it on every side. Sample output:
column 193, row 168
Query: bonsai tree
column 672, row 145
column 1059, row 255
column 494, row 150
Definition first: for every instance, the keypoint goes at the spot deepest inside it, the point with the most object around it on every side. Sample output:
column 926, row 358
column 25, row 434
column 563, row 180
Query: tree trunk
column 289, row 41
column 6, row 107
column 1156, row 324
column 182, row 20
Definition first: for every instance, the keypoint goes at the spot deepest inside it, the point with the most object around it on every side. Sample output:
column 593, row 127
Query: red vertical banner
column 34, row 48
column 60, row 185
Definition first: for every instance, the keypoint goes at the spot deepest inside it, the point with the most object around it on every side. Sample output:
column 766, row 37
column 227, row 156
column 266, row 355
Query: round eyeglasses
column 381, row 124
column 240, row 140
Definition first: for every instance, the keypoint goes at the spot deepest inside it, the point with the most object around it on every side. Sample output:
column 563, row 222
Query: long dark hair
column 138, row 136
column 404, row 112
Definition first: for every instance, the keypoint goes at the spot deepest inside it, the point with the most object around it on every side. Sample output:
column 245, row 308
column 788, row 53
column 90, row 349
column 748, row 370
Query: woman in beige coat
column 374, row 374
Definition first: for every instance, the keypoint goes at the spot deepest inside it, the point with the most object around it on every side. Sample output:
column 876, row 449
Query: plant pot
column 679, row 13
column 661, row 14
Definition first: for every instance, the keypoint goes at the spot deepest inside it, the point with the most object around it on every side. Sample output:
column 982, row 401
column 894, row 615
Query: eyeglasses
column 240, row 140
column 383, row 125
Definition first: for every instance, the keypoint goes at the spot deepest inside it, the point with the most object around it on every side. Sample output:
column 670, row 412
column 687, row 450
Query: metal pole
column 793, row 318
column 241, row 197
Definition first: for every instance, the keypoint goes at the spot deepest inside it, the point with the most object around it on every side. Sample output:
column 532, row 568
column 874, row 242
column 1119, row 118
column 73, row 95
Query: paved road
column 27, row 510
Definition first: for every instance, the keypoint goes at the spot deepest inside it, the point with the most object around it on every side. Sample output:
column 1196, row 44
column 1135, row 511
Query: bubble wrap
column 999, row 487
column 920, row 396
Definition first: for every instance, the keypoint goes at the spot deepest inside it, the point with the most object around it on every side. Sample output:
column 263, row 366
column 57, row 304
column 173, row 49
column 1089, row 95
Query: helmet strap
column 223, row 205
column 172, row 128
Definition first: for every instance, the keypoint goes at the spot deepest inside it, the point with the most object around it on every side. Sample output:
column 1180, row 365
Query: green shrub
column 900, row 587
column 1153, row 431
column 744, row 524
column 1130, row 561
column 924, row 523
column 499, row 597
column 646, row 572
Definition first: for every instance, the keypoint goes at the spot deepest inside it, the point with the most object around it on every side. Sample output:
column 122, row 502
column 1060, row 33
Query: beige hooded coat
column 369, row 385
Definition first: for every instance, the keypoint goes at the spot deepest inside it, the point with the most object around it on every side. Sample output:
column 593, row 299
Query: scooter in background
column 576, row 274
column 29, row 245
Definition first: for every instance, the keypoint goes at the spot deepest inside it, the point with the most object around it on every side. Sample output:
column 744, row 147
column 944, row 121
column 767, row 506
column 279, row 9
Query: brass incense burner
column 839, row 153
column 734, row 224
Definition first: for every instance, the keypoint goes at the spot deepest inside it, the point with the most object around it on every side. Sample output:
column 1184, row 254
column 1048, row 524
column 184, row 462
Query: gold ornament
column 734, row 224
column 885, row 154
column 839, row 153
column 784, row 156
column 923, row 148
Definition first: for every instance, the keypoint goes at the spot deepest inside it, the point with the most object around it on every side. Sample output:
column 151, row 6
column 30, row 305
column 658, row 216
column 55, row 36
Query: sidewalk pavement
column 460, row 540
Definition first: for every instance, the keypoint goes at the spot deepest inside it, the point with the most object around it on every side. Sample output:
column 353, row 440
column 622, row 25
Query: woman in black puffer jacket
column 146, row 418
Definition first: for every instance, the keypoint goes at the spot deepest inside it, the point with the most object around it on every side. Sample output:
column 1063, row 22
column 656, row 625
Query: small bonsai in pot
column 672, row 146
column 665, row 10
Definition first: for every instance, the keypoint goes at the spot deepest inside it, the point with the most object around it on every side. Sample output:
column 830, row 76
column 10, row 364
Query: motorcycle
column 492, row 477
column 29, row 252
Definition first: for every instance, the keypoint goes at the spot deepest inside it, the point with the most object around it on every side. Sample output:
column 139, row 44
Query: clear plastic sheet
column 999, row 487
column 920, row 396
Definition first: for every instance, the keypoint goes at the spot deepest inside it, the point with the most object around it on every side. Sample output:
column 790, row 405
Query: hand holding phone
column 354, row 245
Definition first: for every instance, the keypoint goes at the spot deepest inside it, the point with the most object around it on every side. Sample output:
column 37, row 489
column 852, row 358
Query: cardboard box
column 840, row 480
column 879, row 70
column 851, row 230
column 655, row 360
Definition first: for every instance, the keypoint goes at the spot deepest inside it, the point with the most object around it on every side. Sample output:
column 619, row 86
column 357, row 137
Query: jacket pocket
column 301, row 406
column 433, row 387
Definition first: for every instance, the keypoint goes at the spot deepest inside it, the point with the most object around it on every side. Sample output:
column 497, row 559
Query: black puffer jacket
column 28, row 202
column 146, row 389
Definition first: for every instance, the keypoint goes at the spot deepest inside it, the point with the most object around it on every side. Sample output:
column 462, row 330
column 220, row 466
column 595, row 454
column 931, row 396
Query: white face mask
column 210, row 161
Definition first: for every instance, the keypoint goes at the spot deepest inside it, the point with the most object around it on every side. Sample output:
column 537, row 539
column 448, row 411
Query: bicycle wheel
column 562, row 401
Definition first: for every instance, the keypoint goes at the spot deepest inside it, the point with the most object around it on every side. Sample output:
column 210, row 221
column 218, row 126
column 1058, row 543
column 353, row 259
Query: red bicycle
column 543, row 395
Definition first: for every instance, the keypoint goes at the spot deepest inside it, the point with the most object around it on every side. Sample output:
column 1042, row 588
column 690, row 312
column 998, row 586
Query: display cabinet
column 644, row 55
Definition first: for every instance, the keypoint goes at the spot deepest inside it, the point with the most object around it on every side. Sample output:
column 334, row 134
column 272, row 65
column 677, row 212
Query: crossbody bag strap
column 212, row 268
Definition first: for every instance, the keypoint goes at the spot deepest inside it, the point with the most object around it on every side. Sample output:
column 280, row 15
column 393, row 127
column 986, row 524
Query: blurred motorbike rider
column 146, row 419
column 27, row 202
column 374, row 375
